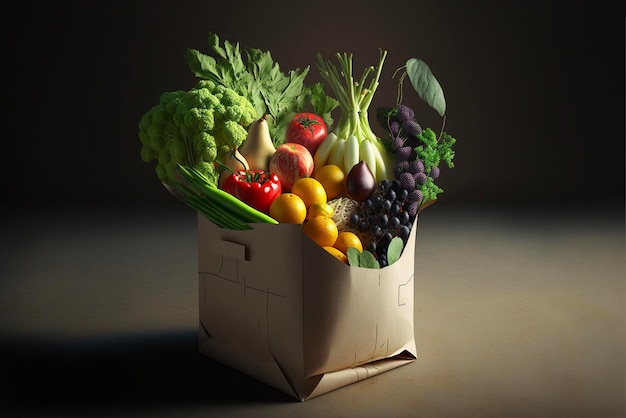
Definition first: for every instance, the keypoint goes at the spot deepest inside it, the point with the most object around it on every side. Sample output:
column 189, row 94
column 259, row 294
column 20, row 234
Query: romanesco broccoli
column 194, row 128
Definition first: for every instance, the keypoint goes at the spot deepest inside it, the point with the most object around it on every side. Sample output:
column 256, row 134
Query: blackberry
column 404, row 113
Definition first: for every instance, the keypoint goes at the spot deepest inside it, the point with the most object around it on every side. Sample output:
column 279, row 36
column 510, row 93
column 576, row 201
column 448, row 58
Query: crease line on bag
column 400, row 292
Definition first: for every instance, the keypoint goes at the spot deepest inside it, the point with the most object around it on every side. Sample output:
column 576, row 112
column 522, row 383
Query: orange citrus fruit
column 310, row 190
column 347, row 239
column 332, row 178
column 337, row 254
column 322, row 230
column 288, row 208
column 320, row 209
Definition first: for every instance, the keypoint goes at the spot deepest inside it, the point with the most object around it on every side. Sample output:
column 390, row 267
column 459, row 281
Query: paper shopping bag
column 279, row 308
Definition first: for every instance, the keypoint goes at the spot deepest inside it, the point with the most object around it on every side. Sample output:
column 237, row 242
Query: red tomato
column 307, row 129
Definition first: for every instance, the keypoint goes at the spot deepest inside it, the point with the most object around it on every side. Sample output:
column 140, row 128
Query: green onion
column 227, row 207
column 210, row 210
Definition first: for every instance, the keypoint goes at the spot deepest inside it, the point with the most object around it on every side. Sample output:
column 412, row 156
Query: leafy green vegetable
column 261, row 81
column 194, row 128
column 220, row 207
column 394, row 250
column 354, row 96
column 432, row 152
column 426, row 85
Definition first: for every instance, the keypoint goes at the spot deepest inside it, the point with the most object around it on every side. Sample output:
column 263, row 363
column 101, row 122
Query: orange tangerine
column 322, row 230
column 310, row 190
column 288, row 208
column 320, row 209
column 347, row 239
column 337, row 254
column 332, row 178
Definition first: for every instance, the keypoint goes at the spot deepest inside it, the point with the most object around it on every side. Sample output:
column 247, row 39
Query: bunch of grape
column 383, row 216
column 408, row 169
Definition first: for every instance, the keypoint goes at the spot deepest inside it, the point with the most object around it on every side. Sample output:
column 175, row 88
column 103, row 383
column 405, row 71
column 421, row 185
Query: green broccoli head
column 194, row 128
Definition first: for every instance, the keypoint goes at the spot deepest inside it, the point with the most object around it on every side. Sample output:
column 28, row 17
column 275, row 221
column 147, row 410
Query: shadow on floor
column 134, row 373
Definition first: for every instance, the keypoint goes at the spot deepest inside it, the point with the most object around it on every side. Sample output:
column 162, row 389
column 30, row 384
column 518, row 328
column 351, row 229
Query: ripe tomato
column 307, row 129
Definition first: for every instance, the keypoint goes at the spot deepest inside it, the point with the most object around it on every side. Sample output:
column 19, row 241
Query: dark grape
column 395, row 208
column 388, row 213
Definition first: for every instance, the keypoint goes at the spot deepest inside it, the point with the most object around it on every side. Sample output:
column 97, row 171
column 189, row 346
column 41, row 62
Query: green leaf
column 321, row 104
column 353, row 256
column 367, row 260
column 382, row 116
column 394, row 250
column 426, row 85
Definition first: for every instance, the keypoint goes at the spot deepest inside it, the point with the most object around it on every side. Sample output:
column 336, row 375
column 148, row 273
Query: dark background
column 535, row 95
column 534, row 89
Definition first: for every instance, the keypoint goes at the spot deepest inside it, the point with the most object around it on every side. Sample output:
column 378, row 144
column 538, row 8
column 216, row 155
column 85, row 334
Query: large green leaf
column 394, row 250
column 426, row 85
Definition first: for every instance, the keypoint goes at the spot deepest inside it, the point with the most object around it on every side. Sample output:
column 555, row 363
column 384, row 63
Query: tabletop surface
column 518, row 311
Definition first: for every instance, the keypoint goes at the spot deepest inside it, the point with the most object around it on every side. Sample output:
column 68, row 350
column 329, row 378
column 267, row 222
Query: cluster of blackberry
column 408, row 169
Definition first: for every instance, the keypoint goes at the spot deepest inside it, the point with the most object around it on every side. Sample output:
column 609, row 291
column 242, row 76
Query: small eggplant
column 360, row 182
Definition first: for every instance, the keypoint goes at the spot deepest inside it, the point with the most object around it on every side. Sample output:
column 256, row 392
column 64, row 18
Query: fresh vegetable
column 257, row 188
column 360, row 182
column 353, row 127
column 194, row 128
column 307, row 129
column 323, row 152
column 218, row 206
column 257, row 77
column 258, row 147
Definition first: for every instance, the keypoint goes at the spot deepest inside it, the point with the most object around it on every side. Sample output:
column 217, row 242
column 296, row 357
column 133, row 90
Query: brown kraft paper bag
column 276, row 306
